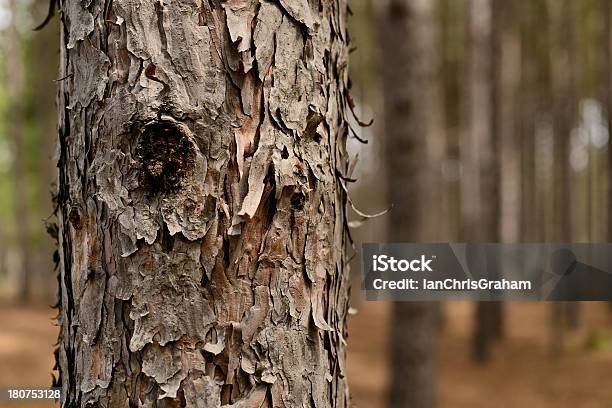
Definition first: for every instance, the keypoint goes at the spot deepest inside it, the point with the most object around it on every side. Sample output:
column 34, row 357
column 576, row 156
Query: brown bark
column 201, row 217
column 409, row 51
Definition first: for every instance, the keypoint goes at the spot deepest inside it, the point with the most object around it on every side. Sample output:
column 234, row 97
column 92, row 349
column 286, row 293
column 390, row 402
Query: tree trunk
column 608, row 107
column 510, row 164
column 563, row 114
column 409, row 51
column 453, row 34
column 16, row 131
column 481, row 194
column 491, row 167
column 44, row 55
column 200, row 207
column 528, row 96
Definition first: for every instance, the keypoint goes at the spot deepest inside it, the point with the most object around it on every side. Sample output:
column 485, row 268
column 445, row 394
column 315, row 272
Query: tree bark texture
column 202, row 220
column 408, row 49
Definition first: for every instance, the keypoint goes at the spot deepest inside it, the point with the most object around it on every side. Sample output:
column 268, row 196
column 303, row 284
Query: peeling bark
column 202, row 225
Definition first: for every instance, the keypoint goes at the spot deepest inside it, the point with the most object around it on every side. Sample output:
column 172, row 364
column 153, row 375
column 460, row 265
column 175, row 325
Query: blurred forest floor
column 522, row 373
column 27, row 339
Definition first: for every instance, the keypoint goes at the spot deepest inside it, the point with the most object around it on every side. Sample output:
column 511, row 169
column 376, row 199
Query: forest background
column 518, row 105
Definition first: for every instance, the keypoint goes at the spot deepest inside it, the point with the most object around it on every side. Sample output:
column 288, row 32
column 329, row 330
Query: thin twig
column 63, row 78
column 359, row 212
column 364, row 141
column 50, row 14
column 351, row 104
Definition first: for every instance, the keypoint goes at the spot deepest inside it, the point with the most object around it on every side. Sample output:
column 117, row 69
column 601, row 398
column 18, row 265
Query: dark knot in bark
column 298, row 200
column 166, row 156
column 74, row 216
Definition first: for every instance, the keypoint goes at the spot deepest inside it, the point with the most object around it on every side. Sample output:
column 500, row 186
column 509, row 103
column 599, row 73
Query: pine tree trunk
column 528, row 106
column 16, row 132
column 42, row 73
column 608, row 100
column 481, row 178
column 491, row 168
column 563, row 114
column 452, row 31
column 200, row 210
column 409, row 52
column 510, row 164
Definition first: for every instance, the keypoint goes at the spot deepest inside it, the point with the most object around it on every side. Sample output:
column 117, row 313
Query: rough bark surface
column 202, row 222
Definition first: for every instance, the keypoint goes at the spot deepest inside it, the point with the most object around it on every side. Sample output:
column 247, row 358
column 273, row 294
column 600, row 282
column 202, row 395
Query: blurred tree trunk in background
column 437, row 197
column 564, row 113
column 529, row 91
column 452, row 15
column 477, row 114
column 436, row 194
column 409, row 50
column 201, row 213
column 481, row 201
column 16, row 131
column 44, row 59
column 608, row 105
column 491, row 165
column 508, row 68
